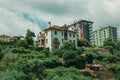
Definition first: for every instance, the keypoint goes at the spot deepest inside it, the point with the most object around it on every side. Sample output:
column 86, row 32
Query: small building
column 19, row 37
column 54, row 36
column 5, row 38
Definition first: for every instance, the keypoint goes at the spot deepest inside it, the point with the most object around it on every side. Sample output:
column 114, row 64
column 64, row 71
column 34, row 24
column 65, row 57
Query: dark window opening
column 55, row 32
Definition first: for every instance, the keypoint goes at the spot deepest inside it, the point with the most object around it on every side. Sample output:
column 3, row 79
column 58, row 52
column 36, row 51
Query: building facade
column 5, row 38
column 54, row 36
column 84, row 29
column 100, row 35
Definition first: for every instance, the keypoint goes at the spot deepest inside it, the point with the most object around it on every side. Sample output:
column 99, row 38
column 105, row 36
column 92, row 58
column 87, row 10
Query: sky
column 16, row 16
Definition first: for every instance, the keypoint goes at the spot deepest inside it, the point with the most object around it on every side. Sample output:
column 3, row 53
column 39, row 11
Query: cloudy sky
column 16, row 16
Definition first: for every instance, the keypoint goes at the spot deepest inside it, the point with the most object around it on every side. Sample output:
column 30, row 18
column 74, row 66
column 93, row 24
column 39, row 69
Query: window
column 62, row 33
column 65, row 36
column 46, row 40
column 70, row 40
column 73, row 35
column 42, row 41
column 46, row 33
column 70, row 34
column 62, row 40
column 55, row 32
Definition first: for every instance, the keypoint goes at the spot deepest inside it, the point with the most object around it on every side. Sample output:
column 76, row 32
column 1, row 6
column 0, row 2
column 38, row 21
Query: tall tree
column 83, row 42
column 1, row 54
column 109, row 44
column 29, row 37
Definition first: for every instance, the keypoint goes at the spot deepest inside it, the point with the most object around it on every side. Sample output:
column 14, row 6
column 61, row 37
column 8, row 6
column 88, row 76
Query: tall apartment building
column 83, row 28
column 103, row 33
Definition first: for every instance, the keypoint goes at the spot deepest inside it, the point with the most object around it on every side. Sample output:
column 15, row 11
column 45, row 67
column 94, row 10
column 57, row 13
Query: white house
column 54, row 36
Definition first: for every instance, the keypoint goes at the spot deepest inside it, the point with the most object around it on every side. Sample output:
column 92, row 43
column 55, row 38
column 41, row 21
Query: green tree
column 62, row 73
column 83, row 42
column 29, row 37
column 33, row 68
column 71, row 58
column 1, row 54
column 109, row 44
column 68, row 46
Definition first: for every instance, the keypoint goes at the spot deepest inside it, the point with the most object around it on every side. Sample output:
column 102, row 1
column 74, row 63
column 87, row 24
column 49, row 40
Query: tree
column 33, row 68
column 29, row 37
column 109, row 44
column 1, row 54
column 62, row 73
column 83, row 42
column 67, row 46
column 71, row 58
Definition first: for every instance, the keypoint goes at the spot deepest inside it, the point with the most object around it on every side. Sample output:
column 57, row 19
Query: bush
column 62, row 73
column 9, row 58
column 52, row 63
column 33, row 68
column 13, row 75
column 116, row 69
column 20, row 50
column 71, row 58
column 1, row 54
column 90, row 57
column 68, row 46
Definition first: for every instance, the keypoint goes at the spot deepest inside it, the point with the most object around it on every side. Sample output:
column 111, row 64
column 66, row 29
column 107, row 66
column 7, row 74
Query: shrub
column 71, row 58
column 1, row 53
column 62, row 73
column 52, row 63
column 13, row 75
column 33, row 68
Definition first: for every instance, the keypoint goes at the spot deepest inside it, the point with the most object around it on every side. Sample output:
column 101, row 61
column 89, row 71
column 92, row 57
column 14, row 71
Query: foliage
column 116, row 69
column 52, row 63
column 1, row 54
column 110, row 45
column 62, row 73
column 71, row 58
column 67, row 46
column 83, row 42
column 20, row 50
column 33, row 68
column 13, row 75
column 9, row 58
column 29, row 37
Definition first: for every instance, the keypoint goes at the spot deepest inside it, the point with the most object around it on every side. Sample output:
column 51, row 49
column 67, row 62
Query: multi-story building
column 83, row 29
column 54, row 36
column 101, row 34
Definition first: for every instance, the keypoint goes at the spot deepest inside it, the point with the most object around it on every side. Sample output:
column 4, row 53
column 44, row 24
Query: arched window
column 56, row 43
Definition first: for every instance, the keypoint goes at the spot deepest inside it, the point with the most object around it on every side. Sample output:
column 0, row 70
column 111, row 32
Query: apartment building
column 103, row 33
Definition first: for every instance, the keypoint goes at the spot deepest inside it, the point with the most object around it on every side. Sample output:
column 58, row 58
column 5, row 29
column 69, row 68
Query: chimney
column 49, row 24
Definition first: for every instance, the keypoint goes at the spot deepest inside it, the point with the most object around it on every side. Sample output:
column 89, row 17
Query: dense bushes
column 1, row 54
column 52, row 63
column 116, row 69
column 13, row 75
column 20, row 50
column 71, row 58
column 62, row 73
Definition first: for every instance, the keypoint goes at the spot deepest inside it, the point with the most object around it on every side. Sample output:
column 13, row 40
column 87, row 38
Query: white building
column 54, row 36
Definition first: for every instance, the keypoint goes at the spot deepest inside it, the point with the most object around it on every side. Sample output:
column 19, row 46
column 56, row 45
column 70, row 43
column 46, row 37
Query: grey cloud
column 101, row 12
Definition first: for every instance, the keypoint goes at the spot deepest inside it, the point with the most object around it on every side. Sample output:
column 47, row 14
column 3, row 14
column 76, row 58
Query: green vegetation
column 26, row 61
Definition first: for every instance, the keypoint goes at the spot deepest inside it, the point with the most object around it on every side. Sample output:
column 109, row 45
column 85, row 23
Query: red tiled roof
column 59, row 28
column 56, row 27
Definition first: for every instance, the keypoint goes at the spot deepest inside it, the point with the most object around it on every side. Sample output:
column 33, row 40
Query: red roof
column 59, row 28
column 56, row 27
